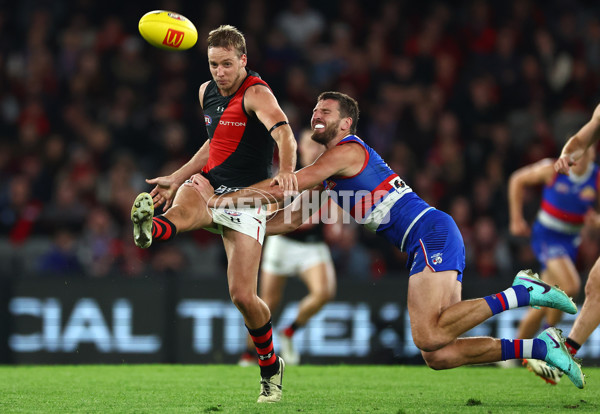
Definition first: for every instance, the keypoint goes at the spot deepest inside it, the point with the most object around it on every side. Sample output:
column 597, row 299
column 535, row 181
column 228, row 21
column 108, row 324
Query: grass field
column 307, row 389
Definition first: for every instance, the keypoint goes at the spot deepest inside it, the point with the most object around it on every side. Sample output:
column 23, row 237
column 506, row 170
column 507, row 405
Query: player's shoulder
column 202, row 91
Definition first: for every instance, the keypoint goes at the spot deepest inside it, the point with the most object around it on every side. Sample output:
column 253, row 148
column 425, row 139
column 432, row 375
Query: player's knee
column 430, row 342
column 180, row 216
column 242, row 299
column 435, row 361
column 324, row 296
column 592, row 291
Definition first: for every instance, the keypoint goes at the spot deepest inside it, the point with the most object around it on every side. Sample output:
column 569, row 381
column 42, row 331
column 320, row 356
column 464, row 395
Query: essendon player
column 243, row 119
column 358, row 179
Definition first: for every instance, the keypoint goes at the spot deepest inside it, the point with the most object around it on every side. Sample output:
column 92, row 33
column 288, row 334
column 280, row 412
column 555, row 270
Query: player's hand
column 199, row 183
column 563, row 164
column 518, row 227
column 288, row 183
column 591, row 219
column 164, row 192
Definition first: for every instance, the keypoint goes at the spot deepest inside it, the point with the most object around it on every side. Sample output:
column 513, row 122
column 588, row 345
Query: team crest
column 588, row 193
column 436, row 258
column 207, row 120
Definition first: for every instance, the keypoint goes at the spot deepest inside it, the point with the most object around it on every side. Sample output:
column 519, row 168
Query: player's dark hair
column 348, row 106
column 227, row 37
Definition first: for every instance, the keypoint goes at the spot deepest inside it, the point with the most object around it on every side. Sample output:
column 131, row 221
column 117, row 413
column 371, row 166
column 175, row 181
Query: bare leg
column 321, row 284
column 189, row 210
column 531, row 323
column 464, row 351
column 589, row 316
column 271, row 289
column 562, row 272
column 243, row 256
column 437, row 315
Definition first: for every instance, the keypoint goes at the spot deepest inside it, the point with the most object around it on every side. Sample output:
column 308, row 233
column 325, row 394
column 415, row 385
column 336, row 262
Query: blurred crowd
column 454, row 95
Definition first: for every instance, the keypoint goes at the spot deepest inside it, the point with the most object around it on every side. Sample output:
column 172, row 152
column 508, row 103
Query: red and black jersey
column 241, row 149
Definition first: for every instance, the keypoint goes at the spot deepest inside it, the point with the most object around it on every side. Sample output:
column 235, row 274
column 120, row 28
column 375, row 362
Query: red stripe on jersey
column 228, row 133
column 572, row 218
column 232, row 125
column 369, row 200
column 340, row 177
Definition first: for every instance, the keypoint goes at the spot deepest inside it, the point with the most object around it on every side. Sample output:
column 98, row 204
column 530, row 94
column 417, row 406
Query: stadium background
column 454, row 97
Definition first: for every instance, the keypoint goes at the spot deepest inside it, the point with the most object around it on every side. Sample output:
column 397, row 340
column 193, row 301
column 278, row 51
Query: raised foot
column 142, row 212
column 542, row 294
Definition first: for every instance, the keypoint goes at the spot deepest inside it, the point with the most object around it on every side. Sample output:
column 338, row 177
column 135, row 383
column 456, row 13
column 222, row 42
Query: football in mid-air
column 168, row 30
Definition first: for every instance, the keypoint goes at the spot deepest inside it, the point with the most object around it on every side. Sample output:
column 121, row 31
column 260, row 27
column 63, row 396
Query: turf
column 307, row 389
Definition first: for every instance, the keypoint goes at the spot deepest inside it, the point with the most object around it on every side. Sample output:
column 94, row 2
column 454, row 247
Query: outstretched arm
column 540, row 172
column 301, row 210
column 343, row 160
column 573, row 150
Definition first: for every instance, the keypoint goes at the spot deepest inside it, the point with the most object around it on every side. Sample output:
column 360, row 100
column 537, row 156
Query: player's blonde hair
column 227, row 37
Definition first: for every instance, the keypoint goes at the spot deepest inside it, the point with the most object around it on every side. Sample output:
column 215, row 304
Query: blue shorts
column 549, row 244
column 435, row 242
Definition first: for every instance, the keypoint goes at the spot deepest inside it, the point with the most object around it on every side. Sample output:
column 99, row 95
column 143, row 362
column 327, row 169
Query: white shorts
column 249, row 221
column 287, row 257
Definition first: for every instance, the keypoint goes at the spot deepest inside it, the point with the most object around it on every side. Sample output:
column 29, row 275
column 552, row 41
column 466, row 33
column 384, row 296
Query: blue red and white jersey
column 377, row 197
column 566, row 200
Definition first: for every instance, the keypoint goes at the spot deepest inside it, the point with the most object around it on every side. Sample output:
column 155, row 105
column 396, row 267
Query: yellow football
column 168, row 30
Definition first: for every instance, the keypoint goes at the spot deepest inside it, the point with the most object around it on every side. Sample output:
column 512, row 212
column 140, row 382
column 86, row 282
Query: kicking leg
column 188, row 212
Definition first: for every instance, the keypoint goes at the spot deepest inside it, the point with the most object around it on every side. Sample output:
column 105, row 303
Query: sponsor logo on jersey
column 329, row 185
column 562, row 188
column 173, row 38
column 220, row 109
column 436, row 258
column 207, row 120
column 396, row 182
column 588, row 193
column 232, row 123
